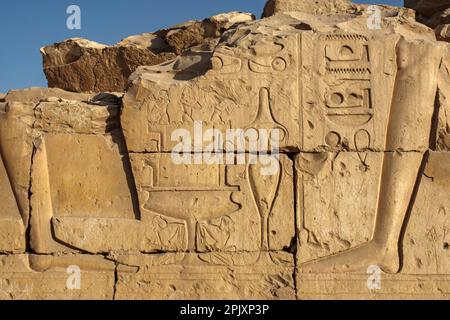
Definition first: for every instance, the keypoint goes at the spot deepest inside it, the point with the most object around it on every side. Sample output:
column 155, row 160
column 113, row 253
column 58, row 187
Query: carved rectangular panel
column 258, row 90
column 222, row 208
column 347, row 87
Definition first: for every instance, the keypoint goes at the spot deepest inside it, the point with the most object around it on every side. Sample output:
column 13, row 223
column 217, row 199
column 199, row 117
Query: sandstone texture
column 299, row 156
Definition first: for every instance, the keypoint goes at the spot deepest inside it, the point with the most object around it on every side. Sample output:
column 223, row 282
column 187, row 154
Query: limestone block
column 442, row 101
column 19, row 281
column 242, row 91
column 12, row 228
column 207, row 276
column 16, row 149
column 75, row 141
column 426, row 242
column 336, row 286
column 195, row 208
column 321, row 91
column 20, row 130
column 37, row 94
column 71, row 167
column 195, row 33
column 343, row 254
column 337, row 201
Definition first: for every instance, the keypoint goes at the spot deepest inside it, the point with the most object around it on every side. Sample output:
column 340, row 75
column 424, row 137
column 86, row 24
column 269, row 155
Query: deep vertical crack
column 116, row 280
column 30, row 195
column 294, row 245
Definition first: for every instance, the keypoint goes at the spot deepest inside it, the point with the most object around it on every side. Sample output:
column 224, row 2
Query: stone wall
column 350, row 202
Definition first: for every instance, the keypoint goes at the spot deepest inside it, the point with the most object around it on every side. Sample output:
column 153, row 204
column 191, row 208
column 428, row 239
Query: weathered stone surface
column 308, row 6
column 208, row 276
column 434, row 13
column 427, row 238
column 428, row 8
column 335, row 177
column 12, row 228
column 81, row 65
column 424, row 271
column 324, row 90
column 194, row 33
column 251, row 212
column 443, row 103
column 35, row 95
column 30, row 277
column 443, row 32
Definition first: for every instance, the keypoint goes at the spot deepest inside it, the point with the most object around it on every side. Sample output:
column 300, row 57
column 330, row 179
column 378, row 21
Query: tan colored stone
column 428, row 7
column 424, row 249
column 58, row 184
column 324, row 90
column 442, row 102
column 195, row 33
column 426, row 241
column 251, row 212
column 308, row 6
column 443, row 32
column 336, row 286
column 35, row 95
column 16, row 149
column 12, row 229
column 337, row 200
column 81, row 65
column 99, row 181
column 19, row 281
column 208, row 276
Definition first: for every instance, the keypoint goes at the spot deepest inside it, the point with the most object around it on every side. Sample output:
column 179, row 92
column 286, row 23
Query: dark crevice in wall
column 420, row 175
column 30, row 195
column 294, row 244
column 435, row 121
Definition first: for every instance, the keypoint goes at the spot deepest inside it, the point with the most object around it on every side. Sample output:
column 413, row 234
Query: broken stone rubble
column 80, row 65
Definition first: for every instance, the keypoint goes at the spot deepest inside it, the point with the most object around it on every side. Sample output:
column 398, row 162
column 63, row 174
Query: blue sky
column 27, row 25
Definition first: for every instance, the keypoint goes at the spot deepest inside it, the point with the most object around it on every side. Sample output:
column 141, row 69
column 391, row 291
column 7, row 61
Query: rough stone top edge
column 226, row 17
column 43, row 94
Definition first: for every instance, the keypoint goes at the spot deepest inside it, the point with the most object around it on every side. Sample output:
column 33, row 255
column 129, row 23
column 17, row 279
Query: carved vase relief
column 361, row 177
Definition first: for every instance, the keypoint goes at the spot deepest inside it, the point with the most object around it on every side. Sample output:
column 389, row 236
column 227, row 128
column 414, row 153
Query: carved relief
column 91, row 180
column 351, row 92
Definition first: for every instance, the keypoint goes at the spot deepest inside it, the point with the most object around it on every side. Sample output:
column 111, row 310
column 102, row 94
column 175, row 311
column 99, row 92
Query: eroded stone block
column 12, row 228
column 337, row 272
column 443, row 103
column 195, row 208
column 426, row 242
column 51, row 281
column 207, row 276
column 336, row 201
